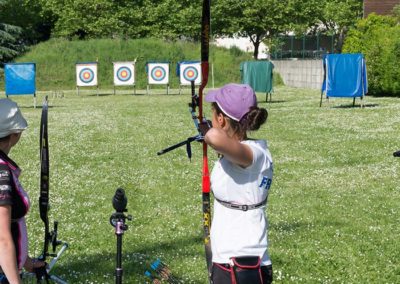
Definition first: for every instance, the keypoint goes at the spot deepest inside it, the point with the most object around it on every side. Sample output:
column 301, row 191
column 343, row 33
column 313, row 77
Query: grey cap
column 11, row 119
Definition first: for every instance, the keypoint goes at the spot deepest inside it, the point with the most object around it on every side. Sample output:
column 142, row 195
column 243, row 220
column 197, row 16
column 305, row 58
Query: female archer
column 240, row 182
column 14, row 202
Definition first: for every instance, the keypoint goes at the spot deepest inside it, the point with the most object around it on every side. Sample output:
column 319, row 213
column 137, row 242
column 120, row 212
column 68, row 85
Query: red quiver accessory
column 246, row 269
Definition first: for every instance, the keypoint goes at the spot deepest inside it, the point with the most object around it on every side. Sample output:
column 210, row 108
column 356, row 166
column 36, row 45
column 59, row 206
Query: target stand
column 86, row 75
column 124, row 74
column 157, row 74
column 188, row 72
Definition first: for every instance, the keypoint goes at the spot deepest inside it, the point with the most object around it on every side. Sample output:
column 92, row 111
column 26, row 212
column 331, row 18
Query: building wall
column 242, row 43
column 300, row 73
column 380, row 7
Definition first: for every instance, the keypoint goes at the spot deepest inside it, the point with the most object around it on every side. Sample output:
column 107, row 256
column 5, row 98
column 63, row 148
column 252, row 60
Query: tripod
column 117, row 220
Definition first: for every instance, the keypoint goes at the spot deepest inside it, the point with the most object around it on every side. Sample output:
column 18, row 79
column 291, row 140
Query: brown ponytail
column 250, row 122
column 254, row 118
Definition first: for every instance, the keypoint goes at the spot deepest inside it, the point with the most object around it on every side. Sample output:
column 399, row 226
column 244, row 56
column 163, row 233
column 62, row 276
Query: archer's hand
column 32, row 263
column 204, row 127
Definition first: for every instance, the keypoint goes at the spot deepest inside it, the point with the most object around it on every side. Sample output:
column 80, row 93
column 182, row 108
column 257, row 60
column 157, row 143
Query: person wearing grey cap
column 14, row 201
column 240, row 181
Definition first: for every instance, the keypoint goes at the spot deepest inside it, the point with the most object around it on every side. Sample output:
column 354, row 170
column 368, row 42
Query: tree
column 378, row 38
column 10, row 43
column 256, row 19
column 337, row 17
column 264, row 20
column 168, row 19
column 83, row 18
column 28, row 14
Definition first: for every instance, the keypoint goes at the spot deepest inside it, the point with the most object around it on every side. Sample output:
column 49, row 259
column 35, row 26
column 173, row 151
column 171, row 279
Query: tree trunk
column 256, row 47
column 341, row 38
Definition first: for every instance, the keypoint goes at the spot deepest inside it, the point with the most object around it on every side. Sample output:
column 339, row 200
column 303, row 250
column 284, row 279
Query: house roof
column 382, row 7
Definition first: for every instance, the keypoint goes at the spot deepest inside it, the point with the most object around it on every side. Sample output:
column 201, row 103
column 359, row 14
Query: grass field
column 333, row 207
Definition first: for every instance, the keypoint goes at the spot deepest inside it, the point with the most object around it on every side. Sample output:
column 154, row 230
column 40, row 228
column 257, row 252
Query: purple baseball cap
column 235, row 100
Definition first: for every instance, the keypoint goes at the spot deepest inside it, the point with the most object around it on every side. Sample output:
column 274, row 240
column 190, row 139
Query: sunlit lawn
column 333, row 209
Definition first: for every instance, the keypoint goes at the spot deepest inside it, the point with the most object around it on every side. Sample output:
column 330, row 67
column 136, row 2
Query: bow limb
column 44, row 178
column 42, row 273
column 205, row 40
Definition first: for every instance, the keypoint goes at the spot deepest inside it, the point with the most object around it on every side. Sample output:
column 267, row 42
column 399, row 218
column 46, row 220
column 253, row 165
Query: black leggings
column 222, row 275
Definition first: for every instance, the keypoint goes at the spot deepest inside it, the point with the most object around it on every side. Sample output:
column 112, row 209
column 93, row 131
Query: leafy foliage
column 382, row 59
column 125, row 19
column 36, row 24
column 257, row 20
column 10, row 43
column 264, row 20
column 338, row 16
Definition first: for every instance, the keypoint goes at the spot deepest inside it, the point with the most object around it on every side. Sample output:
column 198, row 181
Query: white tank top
column 236, row 232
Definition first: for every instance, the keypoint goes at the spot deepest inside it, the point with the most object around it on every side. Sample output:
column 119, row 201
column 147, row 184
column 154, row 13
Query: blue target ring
column 86, row 75
column 124, row 74
column 158, row 73
column 190, row 73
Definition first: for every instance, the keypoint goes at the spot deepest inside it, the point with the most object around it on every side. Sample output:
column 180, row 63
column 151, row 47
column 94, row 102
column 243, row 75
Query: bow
column 199, row 121
column 49, row 237
column 205, row 39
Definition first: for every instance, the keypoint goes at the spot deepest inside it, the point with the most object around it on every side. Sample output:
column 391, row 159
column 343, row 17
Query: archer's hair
column 250, row 122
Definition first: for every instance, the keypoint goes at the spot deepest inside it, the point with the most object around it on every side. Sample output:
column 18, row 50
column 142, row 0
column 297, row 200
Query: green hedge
column 378, row 38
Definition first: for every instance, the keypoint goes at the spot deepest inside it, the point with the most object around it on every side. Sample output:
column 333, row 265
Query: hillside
column 55, row 60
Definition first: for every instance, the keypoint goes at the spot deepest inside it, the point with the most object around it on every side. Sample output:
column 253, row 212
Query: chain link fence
column 306, row 47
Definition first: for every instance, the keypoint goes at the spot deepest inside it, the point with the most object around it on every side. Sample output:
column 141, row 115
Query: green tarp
column 257, row 74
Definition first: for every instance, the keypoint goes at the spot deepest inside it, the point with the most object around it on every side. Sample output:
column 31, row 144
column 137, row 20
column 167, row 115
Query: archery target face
column 86, row 74
column 158, row 73
column 124, row 73
column 190, row 72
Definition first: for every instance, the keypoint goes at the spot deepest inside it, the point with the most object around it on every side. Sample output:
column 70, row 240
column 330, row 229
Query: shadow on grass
column 356, row 106
column 39, row 106
column 272, row 102
column 141, row 93
column 383, row 95
column 134, row 261
column 100, row 95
